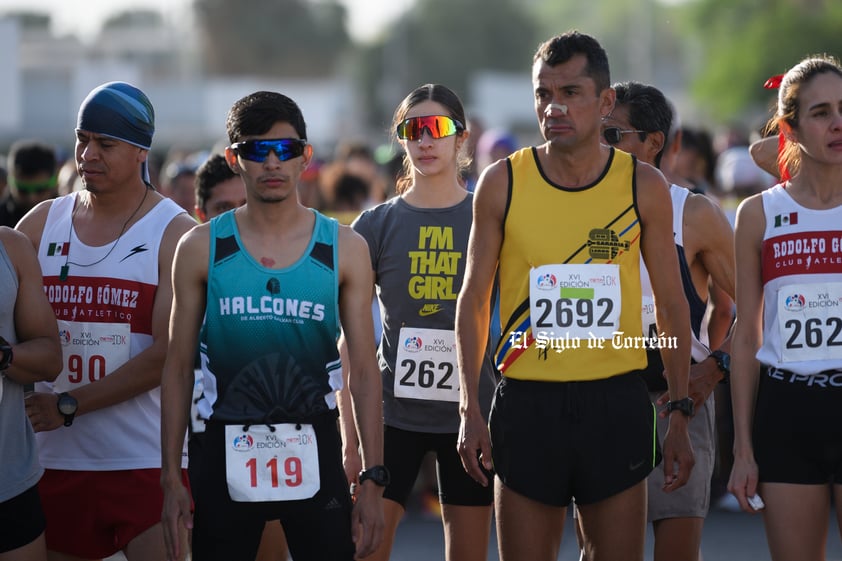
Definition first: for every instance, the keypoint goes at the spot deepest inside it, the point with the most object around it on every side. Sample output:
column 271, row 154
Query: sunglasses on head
column 438, row 126
column 258, row 150
column 613, row 135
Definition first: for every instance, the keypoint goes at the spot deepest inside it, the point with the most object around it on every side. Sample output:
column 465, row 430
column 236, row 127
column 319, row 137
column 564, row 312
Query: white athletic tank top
column 103, row 305
column 801, row 260
column 698, row 344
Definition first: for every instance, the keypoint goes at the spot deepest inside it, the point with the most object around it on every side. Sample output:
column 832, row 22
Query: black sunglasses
column 613, row 135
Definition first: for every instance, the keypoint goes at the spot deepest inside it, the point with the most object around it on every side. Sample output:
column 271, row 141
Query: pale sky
column 83, row 18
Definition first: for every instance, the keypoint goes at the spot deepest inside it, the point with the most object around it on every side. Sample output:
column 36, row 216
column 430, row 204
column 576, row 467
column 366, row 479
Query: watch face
column 378, row 474
column 685, row 406
column 67, row 405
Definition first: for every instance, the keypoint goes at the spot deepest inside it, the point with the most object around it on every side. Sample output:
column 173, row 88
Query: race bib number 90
column 810, row 321
column 426, row 365
column 575, row 300
column 278, row 463
column 91, row 351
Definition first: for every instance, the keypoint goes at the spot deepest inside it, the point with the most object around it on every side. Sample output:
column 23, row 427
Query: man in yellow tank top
column 564, row 224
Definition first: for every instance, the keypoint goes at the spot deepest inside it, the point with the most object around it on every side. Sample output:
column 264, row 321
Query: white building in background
column 10, row 93
column 47, row 77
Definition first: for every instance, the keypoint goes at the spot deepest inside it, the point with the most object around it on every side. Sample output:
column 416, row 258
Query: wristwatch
column 723, row 362
column 67, row 406
column 684, row 405
column 6, row 349
column 378, row 474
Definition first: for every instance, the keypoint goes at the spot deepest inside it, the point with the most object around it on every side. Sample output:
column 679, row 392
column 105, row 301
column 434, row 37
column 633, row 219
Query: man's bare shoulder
column 492, row 190
column 494, row 175
column 32, row 224
column 652, row 191
column 649, row 177
column 14, row 241
column 351, row 241
column 194, row 235
column 10, row 235
column 701, row 211
column 181, row 224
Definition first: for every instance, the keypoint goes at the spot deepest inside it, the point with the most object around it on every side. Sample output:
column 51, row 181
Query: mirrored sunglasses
column 613, row 135
column 258, row 150
column 35, row 187
column 438, row 126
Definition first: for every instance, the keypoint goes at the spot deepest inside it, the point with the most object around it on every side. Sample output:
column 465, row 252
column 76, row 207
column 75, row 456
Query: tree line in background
column 719, row 52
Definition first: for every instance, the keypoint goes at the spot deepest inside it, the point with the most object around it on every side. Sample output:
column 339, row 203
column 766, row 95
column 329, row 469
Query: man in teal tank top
column 262, row 289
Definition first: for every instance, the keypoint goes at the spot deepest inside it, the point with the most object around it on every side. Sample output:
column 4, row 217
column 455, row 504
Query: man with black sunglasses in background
column 261, row 290
column 32, row 178
column 643, row 124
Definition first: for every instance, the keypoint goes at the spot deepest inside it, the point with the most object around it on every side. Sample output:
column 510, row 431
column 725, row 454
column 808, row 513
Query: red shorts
column 95, row 514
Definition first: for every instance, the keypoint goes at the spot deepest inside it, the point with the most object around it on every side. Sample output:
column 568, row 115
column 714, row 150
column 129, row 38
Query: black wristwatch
column 67, row 406
column 723, row 362
column 6, row 349
column 378, row 474
column 684, row 405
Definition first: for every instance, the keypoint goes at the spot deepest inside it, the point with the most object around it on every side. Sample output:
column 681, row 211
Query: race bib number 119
column 278, row 463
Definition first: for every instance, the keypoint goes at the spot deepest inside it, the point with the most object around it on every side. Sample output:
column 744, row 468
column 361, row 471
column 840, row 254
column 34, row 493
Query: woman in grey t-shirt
column 418, row 242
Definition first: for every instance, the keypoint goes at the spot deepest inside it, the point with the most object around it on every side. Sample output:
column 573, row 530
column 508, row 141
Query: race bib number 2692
column 575, row 300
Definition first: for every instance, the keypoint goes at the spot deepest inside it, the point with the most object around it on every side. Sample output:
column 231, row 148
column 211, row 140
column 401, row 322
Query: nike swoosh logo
column 429, row 309
column 635, row 467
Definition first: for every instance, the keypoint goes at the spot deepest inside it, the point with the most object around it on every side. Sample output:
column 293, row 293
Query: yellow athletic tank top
column 570, row 275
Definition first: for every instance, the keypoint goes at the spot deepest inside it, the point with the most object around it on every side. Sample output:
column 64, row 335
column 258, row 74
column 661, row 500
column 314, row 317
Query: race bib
column 647, row 314
column 91, row 351
column 426, row 365
column 810, row 321
column 196, row 420
column 575, row 300
column 277, row 463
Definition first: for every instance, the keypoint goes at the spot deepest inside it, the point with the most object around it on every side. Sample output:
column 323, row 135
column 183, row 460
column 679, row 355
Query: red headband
column 773, row 83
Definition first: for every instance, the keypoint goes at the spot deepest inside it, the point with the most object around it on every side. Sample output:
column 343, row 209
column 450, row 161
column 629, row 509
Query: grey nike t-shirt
column 418, row 256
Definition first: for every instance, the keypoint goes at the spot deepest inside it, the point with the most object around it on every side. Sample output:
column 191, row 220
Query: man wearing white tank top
column 642, row 124
column 106, row 255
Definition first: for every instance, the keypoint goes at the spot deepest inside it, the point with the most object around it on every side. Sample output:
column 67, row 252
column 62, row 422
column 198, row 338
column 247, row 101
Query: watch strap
column 379, row 475
column 685, row 406
column 68, row 417
column 7, row 354
column 723, row 363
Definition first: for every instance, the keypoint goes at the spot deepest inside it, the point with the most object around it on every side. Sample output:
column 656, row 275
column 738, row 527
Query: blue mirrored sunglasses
column 258, row 150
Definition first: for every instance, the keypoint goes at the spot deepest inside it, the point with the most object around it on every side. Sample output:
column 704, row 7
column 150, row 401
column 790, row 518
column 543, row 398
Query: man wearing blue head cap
column 106, row 255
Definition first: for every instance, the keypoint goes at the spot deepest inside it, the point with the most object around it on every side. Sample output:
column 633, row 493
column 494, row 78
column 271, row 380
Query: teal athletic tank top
column 268, row 343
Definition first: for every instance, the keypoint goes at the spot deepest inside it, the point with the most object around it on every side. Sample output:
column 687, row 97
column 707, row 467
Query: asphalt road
column 728, row 536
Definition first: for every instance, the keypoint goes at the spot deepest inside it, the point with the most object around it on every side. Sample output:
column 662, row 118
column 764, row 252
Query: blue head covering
column 121, row 111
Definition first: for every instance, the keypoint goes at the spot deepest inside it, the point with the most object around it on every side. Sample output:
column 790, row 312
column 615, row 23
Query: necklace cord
column 68, row 262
